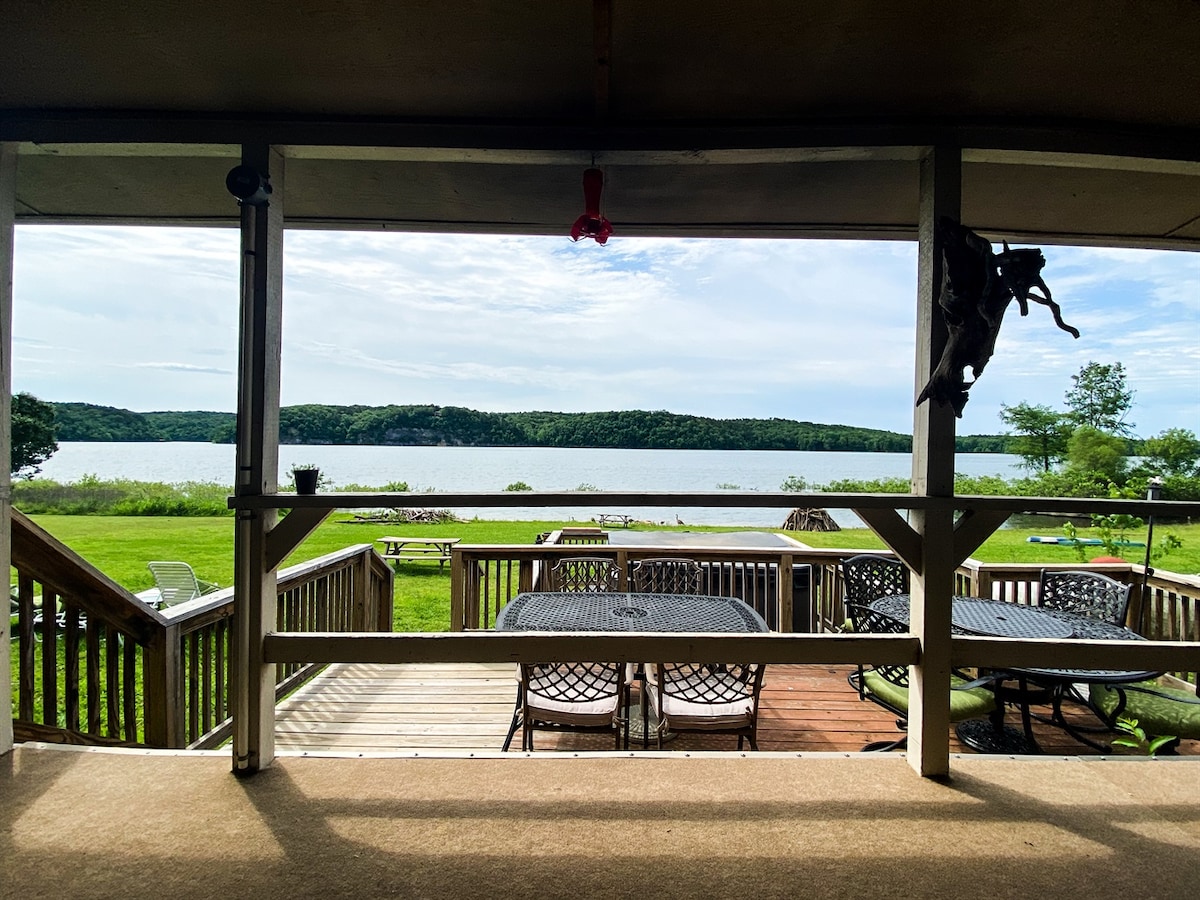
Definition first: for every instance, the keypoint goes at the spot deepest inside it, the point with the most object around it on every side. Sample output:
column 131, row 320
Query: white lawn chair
column 177, row 583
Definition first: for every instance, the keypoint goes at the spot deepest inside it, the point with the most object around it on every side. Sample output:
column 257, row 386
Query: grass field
column 120, row 546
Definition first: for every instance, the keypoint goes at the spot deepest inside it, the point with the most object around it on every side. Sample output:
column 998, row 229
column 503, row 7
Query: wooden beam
column 769, row 648
column 1086, row 141
column 8, row 195
column 513, row 646
column 932, row 476
column 894, row 531
column 257, row 464
column 974, row 527
column 290, row 532
column 602, row 44
column 719, row 499
column 1150, row 656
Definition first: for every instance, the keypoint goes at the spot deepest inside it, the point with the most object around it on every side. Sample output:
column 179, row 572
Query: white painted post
column 932, row 476
column 257, row 473
column 8, row 201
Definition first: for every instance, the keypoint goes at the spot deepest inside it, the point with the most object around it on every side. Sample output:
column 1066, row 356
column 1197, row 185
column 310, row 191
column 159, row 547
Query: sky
column 822, row 331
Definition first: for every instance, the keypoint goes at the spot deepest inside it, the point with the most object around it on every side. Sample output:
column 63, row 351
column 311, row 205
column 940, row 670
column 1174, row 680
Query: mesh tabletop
column 999, row 618
column 994, row 618
column 578, row 611
column 1092, row 629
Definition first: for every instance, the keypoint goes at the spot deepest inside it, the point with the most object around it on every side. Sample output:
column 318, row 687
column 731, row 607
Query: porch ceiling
column 709, row 118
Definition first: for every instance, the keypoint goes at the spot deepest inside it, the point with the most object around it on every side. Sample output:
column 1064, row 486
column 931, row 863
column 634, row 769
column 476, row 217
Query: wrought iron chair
column 667, row 575
column 714, row 698
column 887, row 685
column 593, row 574
column 586, row 697
column 573, row 696
column 1086, row 594
column 662, row 575
column 867, row 577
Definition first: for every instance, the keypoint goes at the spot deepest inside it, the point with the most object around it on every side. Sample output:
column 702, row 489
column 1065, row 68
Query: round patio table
column 999, row 618
column 993, row 618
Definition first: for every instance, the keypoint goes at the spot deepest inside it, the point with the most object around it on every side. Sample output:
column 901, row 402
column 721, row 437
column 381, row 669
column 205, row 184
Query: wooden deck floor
column 366, row 708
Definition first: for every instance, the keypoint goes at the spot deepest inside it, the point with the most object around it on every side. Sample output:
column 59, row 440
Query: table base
column 635, row 729
column 983, row 736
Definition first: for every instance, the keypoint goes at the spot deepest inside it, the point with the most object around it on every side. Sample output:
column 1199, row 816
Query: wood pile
column 409, row 516
column 810, row 519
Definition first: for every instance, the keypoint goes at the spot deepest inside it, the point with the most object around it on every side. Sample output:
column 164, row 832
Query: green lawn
column 120, row 546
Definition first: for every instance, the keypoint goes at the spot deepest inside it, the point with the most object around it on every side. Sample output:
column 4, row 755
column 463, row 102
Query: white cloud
column 817, row 330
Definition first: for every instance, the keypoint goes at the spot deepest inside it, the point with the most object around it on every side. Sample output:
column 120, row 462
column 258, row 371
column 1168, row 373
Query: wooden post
column 8, row 199
column 458, row 587
column 257, row 464
column 783, row 593
column 363, row 618
column 385, row 592
column 623, row 570
column 932, row 476
column 162, row 690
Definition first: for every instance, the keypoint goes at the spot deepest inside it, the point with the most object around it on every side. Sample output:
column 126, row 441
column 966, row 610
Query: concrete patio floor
column 97, row 823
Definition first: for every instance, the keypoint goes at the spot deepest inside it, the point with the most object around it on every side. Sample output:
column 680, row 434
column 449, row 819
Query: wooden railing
column 786, row 586
column 348, row 590
column 485, row 578
column 1166, row 609
column 109, row 669
column 101, row 677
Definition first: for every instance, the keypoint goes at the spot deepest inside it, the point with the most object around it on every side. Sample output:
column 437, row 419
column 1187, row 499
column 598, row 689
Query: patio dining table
column 1000, row 618
column 619, row 611
column 632, row 612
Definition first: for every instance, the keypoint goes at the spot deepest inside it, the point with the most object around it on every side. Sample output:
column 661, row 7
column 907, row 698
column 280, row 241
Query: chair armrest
column 981, row 681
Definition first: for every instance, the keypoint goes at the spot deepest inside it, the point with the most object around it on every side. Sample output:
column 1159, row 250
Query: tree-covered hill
column 426, row 425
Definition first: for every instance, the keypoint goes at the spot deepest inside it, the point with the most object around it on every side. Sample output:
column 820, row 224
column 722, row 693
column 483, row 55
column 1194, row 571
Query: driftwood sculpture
column 977, row 286
column 804, row 518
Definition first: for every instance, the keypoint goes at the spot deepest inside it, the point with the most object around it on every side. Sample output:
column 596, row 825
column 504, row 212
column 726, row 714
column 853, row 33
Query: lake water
column 543, row 469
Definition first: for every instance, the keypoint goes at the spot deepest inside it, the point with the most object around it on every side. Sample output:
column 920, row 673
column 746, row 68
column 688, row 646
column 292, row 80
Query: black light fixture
column 249, row 185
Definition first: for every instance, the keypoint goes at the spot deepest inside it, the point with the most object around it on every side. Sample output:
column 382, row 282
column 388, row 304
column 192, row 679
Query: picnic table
column 412, row 548
column 614, row 519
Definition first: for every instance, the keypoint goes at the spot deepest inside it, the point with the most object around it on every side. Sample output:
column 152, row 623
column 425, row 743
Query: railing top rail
column 196, row 612
column 38, row 553
column 637, row 551
column 719, row 499
column 1035, row 567
column 1163, row 578
column 310, row 567
column 1160, row 578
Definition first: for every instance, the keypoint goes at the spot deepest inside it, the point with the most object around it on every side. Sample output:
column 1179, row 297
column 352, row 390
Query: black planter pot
column 306, row 480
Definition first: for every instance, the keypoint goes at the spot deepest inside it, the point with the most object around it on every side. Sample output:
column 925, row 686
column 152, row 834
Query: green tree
column 1093, row 450
column 1099, row 398
column 33, row 435
column 1175, row 451
column 1041, row 435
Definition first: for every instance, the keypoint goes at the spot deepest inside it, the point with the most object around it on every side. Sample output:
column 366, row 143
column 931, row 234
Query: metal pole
column 1153, row 492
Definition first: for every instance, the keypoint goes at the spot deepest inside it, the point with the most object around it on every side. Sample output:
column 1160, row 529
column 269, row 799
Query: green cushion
column 1157, row 715
column 969, row 704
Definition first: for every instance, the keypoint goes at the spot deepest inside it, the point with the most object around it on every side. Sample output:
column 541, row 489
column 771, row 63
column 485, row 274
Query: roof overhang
column 779, row 119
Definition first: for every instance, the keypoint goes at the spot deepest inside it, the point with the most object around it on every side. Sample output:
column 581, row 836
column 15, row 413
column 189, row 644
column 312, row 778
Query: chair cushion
column 594, row 712
column 969, row 704
column 684, row 715
column 1157, row 715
